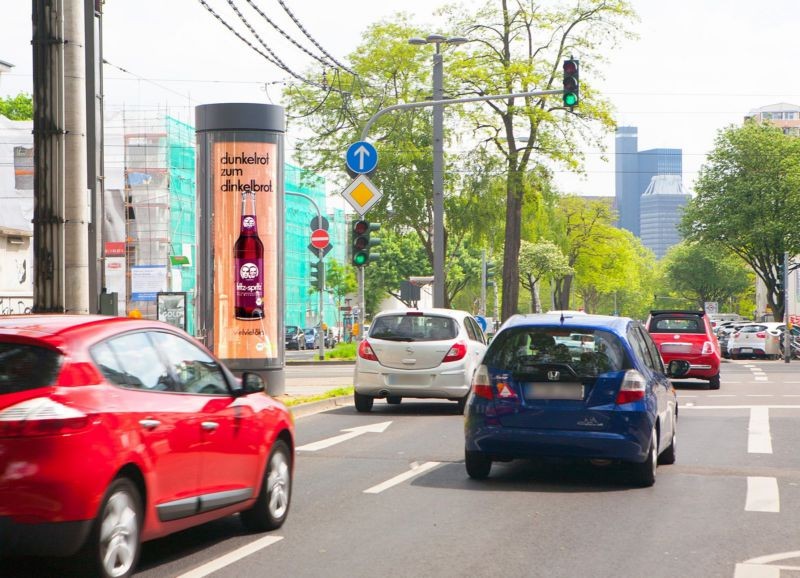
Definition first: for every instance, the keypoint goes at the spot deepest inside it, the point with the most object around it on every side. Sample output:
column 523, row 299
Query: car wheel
column 393, row 399
column 478, row 465
column 714, row 382
column 462, row 404
column 669, row 454
column 644, row 474
column 363, row 402
column 113, row 546
column 272, row 506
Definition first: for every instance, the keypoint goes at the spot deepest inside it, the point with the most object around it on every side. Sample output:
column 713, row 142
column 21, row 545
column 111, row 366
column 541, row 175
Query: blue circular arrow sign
column 361, row 158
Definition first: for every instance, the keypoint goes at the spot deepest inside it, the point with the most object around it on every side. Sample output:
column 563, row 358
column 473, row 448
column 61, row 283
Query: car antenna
column 562, row 319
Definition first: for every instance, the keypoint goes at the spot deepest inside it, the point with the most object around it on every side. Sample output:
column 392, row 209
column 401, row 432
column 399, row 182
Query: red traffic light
column 570, row 67
column 360, row 227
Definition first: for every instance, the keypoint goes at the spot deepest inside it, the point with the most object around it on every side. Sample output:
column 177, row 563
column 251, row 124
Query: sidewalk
column 301, row 387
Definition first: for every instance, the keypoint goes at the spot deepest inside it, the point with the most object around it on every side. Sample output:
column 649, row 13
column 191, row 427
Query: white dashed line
column 759, row 440
column 762, row 495
column 231, row 557
column 415, row 470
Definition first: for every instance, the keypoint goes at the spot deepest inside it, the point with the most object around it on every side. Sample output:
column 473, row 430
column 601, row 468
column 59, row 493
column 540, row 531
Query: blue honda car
column 572, row 385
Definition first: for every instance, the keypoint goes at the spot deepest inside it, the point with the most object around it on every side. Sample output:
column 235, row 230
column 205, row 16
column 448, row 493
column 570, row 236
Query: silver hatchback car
column 430, row 353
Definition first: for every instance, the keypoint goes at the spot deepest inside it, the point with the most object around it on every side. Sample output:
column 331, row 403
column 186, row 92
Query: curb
column 304, row 409
column 317, row 362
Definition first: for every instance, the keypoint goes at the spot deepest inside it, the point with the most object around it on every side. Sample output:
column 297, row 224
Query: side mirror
column 252, row 383
column 677, row 368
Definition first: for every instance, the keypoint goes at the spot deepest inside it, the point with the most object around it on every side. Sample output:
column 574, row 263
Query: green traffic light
column 359, row 259
column 570, row 99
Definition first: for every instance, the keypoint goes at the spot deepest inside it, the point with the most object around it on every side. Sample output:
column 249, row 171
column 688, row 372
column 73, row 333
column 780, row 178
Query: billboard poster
column 172, row 308
column 244, row 181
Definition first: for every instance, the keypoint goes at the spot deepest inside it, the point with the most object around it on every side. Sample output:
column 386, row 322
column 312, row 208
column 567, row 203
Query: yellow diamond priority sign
column 362, row 194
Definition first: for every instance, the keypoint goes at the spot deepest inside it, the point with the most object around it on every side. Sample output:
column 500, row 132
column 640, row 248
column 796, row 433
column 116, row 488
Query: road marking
column 759, row 395
column 351, row 433
column 745, row 406
column 721, row 395
column 762, row 494
column 759, row 440
column 756, row 567
column 416, row 469
column 791, row 395
column 757, row 378
column 231, row 557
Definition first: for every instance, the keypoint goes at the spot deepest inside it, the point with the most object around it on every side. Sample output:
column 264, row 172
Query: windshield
column 403, row 327
column 24, row 367
column 587, row 352
column 290, row 329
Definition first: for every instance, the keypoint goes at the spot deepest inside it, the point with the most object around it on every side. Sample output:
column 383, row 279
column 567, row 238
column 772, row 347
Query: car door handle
column 149, row 423
column 209, row 425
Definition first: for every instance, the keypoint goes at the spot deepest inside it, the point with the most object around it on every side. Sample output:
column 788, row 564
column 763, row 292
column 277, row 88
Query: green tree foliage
column 519, row 47
column 18, row 107
column 402, row 256
column 702, row 272
column 340, row 280
column 748, row 200
column 538, row 261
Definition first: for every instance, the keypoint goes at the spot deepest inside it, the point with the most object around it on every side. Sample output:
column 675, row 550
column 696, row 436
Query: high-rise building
column 661, row 207
column 634, row 171
column 784, row 115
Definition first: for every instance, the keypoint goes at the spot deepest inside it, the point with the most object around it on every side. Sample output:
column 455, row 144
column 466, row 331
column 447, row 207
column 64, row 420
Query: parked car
column 534, row 398
column 724, row 333
column 295, row 338
column 114, row 431
column 429, row 353
column 687, row 335
column 312, row 338
column 755, row 340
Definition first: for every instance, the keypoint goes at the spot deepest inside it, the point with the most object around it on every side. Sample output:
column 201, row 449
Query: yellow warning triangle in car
column 504, row 390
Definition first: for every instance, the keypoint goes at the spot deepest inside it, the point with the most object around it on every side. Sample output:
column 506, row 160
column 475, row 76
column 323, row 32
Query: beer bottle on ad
column 248, row 258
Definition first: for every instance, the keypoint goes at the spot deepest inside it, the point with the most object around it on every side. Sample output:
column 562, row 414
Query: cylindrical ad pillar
column 240, row 244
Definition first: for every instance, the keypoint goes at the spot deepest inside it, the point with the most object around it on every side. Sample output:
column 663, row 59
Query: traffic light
column 489, row 274
column 317, row 277
column 571, row 83
column 362, row 241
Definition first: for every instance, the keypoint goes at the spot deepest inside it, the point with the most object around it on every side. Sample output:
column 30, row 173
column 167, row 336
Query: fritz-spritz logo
column 249, row 222
column 248, row 271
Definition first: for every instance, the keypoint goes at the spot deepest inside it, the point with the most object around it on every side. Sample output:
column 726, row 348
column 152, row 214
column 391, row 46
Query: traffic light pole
column 787, row 333
column 439, row 276
column 321, row 281
column 361, row 304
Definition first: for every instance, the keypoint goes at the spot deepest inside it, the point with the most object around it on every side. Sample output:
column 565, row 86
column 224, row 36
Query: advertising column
column 240, row 242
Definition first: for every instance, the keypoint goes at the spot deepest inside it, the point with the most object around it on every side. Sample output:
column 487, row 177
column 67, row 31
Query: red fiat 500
column 114, row 431
column 687, row 335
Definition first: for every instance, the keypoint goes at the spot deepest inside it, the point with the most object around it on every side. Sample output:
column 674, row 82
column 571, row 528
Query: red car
column 687, row 335
column 114, row 431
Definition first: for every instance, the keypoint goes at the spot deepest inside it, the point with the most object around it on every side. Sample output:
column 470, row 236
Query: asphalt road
column 392, row 499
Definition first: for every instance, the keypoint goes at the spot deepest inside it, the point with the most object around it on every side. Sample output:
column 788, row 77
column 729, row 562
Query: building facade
column 661, row 207
column 634, row 169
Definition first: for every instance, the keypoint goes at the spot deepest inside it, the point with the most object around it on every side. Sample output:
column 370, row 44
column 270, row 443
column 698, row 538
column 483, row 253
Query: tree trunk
column 537, row 300
column 512, row 243
column 564, row 290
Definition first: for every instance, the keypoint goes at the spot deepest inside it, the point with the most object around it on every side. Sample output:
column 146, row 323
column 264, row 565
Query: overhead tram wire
column 161, row 86
column 313, row 40
column 272, row 59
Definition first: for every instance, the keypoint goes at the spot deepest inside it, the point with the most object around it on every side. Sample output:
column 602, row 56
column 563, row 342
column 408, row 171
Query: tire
column 644, row 474
column 115, row 541
column 462, row 404
column 668, row 456
column 393, row 399
column 478, row 465
column 272, row 506
column 714, row 382
column 363, row 402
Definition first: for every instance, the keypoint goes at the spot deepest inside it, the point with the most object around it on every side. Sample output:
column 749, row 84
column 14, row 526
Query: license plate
column 746, row 350
column 554, row 390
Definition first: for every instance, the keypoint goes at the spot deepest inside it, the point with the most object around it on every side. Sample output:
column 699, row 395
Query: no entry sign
column 320, row 239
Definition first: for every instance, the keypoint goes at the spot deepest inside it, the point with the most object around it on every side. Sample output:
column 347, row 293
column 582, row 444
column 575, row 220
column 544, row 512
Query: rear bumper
column 700, row 366
column 46, row 539
column 507, row 443
column 453, row 383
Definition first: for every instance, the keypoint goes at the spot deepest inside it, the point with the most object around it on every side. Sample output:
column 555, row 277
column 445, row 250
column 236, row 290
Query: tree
column 703, row 272
column 519, row 47
column 402, row 256
column 18, row 107
column 340, row 280
column 538, row 261
column 748, row 200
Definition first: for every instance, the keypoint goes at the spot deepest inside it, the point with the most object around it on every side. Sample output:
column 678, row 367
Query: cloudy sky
column 698, row 66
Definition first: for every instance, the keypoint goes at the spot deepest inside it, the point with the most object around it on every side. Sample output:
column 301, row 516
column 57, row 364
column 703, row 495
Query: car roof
column 569, row 320
column 426, row 311
column 658, row 312
column 56, row 328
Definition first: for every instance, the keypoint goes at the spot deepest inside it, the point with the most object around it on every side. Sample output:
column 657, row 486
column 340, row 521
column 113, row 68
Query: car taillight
column 482, row 384
column 457, row 351
column 708, row 348
column 365, row 351
column 633, row 387
column 761, row 335
column 39, row 417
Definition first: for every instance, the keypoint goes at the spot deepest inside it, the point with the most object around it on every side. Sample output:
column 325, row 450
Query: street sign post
column 361, row 157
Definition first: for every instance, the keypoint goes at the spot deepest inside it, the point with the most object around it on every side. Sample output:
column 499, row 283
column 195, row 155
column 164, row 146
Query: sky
column 697, row 66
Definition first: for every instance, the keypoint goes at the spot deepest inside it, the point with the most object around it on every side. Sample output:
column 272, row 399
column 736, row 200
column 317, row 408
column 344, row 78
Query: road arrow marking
column 351, row 433
column 416, row 469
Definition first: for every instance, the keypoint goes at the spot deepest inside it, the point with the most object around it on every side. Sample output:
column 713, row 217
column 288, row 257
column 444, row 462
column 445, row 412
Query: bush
column 342, row 351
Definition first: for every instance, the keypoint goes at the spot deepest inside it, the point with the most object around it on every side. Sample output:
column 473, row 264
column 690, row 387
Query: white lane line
column 721, row 395
column 762, row 495
column 757, row 378
column 759, row 440
column 791, row 395
column 416, row 469
column 744, row 570
column 759, row 395
column 231, row 557
column 773, row 406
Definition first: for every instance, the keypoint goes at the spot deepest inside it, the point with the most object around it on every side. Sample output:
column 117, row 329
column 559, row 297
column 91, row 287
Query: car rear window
column 24, row 367
column 524, row 349
column 402, row 327
column 676, row 324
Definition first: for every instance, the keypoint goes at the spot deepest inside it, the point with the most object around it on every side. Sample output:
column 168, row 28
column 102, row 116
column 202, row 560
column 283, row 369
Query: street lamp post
column 438, row 161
